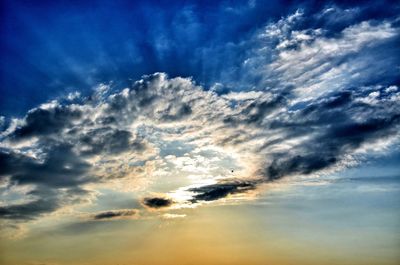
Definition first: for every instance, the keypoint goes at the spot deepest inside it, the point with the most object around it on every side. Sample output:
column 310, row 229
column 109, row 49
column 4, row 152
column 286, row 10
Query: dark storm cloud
column 45, row 200
column 114, row 214
column 157, row 202
column 40, row 122
column 56, row 177
column 30, row 210
column 63, row 137
column 57, row 174
column 335, row 126
column 60, row 167
column 221, row 190
column 108, row 140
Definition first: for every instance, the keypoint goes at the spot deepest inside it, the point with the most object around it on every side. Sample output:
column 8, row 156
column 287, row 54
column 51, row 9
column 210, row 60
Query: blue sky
column 170, row 119
column 51, row 48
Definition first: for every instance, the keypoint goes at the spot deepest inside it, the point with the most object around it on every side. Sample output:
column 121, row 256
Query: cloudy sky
column 199, row 132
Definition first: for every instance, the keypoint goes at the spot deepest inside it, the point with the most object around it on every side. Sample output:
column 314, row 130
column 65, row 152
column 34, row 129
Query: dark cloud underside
column 221, row 190
column 157, row 202
column 107, row 215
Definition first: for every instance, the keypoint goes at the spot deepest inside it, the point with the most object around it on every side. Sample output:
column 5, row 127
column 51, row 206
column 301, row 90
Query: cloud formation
column 221, row 190
column 157, row 202
column 308, row 103
column 116, row 214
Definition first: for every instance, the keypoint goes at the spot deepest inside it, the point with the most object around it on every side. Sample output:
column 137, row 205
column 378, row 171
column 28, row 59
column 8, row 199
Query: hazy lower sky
column 200, row 132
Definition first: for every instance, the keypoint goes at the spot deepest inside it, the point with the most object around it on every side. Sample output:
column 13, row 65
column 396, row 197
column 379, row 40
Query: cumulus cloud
column 310, row 105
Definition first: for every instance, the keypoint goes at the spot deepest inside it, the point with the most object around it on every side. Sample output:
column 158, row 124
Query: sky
column 199, row 132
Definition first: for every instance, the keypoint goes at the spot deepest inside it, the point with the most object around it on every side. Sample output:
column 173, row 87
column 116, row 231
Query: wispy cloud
column 116, row 214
